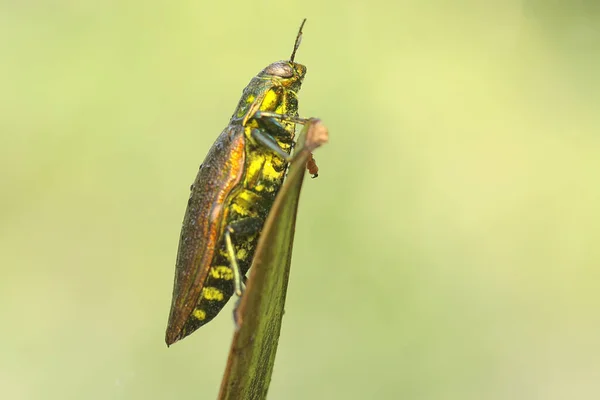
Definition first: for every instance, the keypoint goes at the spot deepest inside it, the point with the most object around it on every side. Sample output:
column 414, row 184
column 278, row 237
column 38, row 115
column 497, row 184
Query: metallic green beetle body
column 232, row 195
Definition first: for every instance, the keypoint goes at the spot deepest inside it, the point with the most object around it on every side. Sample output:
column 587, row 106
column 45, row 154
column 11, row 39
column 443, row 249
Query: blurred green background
column 448, row 249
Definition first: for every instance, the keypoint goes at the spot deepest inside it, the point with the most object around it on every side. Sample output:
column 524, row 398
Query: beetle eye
column 280, row 69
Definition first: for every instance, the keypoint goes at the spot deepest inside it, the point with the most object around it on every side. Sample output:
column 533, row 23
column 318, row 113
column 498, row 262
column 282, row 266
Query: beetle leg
column 240, row 228
column 271, row 122
column 237, row 274
column 270, row 143
column 274, row 126
column 290, row 118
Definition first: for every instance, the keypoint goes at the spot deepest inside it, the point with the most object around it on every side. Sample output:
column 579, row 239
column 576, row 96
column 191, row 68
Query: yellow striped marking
column 221, row 272
column 239, row 209
column 212, row 293
column 241, row 255
column 270, row 100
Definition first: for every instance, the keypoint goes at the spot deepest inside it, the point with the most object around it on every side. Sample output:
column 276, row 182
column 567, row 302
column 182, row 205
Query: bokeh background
column 448, row 250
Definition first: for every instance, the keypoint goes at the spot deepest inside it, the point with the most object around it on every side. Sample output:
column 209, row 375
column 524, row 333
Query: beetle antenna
column 298, row 40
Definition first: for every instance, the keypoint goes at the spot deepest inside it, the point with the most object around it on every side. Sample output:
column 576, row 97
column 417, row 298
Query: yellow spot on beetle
column 199, row 314
column 221, row 272
column 241, row 254
column 239, row 209
column 212, row 293
column 271, row 99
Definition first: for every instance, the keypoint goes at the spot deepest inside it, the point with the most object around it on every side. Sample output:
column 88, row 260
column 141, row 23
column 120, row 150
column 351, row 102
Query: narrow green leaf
column 259, row 314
